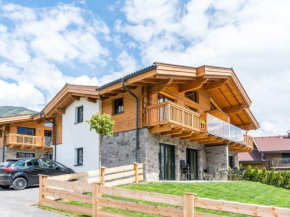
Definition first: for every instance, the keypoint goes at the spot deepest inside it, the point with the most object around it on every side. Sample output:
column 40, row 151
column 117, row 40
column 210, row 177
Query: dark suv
column 21, row 173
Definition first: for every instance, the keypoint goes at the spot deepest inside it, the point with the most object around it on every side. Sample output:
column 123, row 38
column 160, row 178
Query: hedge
column 279, row 179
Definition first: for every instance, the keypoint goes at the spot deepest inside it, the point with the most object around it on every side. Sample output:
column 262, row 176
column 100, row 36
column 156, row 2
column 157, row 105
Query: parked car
column 20, row 173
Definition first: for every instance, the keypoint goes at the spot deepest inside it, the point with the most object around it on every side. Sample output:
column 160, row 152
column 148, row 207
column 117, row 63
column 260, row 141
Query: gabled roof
column 222, row 83
column 253, row 156
column 14, row 119
column 273, row 143
column 66, row 96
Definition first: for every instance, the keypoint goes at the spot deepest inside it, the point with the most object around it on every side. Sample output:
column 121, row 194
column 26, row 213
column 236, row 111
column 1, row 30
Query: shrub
column 248, row 173
column 280, row 179
column 286, row 183
column 255, row 175
column 264, row 174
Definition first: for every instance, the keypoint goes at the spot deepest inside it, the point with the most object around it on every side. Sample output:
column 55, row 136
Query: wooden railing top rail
column 175, row 105
column 20, row 135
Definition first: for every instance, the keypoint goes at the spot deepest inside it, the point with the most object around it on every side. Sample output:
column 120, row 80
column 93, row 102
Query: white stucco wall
column 78, row 135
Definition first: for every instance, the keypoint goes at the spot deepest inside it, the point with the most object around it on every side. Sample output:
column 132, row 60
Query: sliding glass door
column 192, row 161
column 166, row 162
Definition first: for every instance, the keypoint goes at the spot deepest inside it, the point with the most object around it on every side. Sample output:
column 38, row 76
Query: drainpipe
column 4, row 141
column 54, row 129
column 137, row 117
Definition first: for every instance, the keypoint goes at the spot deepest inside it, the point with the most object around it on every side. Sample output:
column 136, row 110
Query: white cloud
column 21, row 94
column 251, row 36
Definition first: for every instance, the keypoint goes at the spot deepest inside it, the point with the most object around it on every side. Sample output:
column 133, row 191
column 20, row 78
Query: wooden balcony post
column 41, row 188
column 103, row 176
column 169, row 112
column 96, row 197
column 136, row 172
column 188, row 206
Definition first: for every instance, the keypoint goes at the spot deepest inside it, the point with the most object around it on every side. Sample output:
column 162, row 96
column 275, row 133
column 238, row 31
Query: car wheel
column 19, row 183
column 4, row 186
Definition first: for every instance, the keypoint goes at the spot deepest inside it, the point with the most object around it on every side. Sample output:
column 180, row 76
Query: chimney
column 288, row 132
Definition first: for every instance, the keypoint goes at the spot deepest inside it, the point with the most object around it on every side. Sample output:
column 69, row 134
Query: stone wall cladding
column 11, row 153
column 217, row 156
column 121, row 150
column 1, row 154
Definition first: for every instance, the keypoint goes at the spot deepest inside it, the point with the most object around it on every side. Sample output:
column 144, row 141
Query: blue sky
column 45, row 44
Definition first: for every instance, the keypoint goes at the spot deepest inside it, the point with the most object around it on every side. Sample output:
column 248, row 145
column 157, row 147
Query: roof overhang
column 66, row 96
column 224, row 86
column 275, row 152
column 15, row 119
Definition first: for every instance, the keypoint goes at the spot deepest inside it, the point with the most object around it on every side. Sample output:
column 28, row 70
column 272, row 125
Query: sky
column 45, row 44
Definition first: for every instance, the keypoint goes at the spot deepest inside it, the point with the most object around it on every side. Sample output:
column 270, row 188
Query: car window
column 48, row 164
column 60, row 165
column 33, row 163
column 20, row 164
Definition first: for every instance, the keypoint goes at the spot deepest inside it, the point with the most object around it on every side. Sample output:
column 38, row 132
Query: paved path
column 22, row 204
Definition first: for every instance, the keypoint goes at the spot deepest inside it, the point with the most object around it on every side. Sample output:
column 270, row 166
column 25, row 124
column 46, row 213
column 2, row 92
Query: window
column 79, row 114
column 118, row 106
column 47, row 156
column 48, row 164
column 47, row 137
column 26, row 131
column 32, row 164
column 192, row 95
column 192, row 109
column 25, row 155
column 20, row 164
column 163, row 98
column 60, row 165
column 285, row 158
column 212, row 106
column 231, row 161
column 80, row 156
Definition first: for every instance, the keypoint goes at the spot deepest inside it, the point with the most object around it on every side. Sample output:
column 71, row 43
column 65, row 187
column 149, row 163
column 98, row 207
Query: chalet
column 76, row 146
column 272, row 152
column 24, row 137
column 169, row 114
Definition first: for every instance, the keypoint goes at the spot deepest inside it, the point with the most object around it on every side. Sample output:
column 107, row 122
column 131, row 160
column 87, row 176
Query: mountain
column 12, row 111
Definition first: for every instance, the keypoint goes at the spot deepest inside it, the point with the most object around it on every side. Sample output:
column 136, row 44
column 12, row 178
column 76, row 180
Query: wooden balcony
column 30, row 142
column 171, row 119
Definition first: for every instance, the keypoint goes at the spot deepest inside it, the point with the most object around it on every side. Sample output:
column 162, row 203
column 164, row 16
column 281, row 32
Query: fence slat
column 124, row 181
column 204, row 214
column 56, row 193
column 143, row 195
column 241, row 208
column 75, row 186
column 104, row 213
column 122, row 168
column 144, row 208
column 68, row 207
column 75, row 175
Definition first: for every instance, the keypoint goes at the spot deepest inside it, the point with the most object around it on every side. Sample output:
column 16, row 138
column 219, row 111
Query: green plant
column 255, row 174
column 264, row 174
column 280, row 179
column 248, row 173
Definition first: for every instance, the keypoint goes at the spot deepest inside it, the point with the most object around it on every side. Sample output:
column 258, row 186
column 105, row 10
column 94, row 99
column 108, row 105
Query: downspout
column 54, row 129
column 137, row 117
column 4, row 143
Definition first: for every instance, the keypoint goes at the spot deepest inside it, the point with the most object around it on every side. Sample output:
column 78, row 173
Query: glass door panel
column 166, row 162
column 192, row 161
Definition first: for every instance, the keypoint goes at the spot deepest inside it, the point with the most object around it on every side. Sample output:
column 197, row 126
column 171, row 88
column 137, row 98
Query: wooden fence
column 102, row 199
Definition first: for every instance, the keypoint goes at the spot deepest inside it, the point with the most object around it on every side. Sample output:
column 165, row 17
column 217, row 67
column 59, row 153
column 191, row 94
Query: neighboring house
column 199, row 115
column 24, row 137
column 272, row 152
column 77, row 147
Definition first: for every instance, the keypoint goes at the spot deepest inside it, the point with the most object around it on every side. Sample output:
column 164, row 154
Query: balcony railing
column 169, row 112
column 27, row 140
column 282, row 163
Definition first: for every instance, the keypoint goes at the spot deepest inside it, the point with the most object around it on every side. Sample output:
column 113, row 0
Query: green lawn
column 239, row 191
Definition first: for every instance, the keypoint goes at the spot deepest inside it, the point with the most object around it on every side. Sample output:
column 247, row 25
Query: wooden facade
column 218, row 93
column 12, row 139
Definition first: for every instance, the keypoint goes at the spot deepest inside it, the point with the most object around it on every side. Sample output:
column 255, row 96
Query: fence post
column 96, row 196
column 41, row 186
column 136, row 172
column 188, row 206
column 103, row 176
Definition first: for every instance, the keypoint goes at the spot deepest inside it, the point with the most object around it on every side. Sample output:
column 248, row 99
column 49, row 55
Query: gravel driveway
column 22, row 204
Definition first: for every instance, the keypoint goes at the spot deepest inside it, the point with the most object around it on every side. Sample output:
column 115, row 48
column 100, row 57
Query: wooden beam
column 132, row 87
column 208, row 139
column 245, row 126
column 214, row 85
column 139, row 84
column 109, row 94
column 60, row 111
column 74, row 97
column 155, row 88
column 195, row 136
column 21, row 147
column 150, row 80
column 216, row 141
column 193, row 85
column 90, row 99
column 119, row 91
column 172, row 132
column 183, row 134
column 234, row 109
column 160, row 129
column 173, row 77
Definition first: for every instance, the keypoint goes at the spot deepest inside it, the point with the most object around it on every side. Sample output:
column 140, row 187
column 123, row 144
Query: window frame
column 115, row 112
column 285, row 158
column 17, row 155
column 196, row 96
column 48, row 155
column 77, row 120
column 165, row 98
column 78, row 163
column 34, row 130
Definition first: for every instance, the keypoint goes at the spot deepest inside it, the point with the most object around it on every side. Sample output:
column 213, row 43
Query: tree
column 103, row 125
